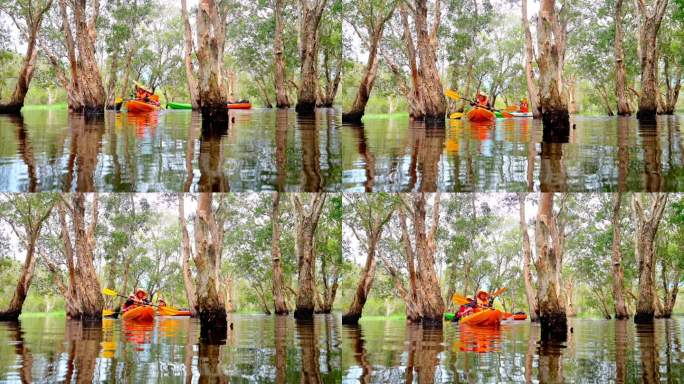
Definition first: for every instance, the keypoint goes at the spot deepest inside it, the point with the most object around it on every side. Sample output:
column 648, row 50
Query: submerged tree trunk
column 375, row 32
column 310, row 19
column 279, row 303
column 210, row 301
column 33, row 23
column 282, row 100
column 621, row 311
column 92, row 89
column 527, row 257
column 644, row 237
column 188, row 49
column 650, row 21
column 551, row 37
column 552, row 314
column 623, row 108
column 211, row 22
column 306, row 222
column 532, row 88
column 432, row 305
column 32, row 227
column 190, row 291
column 373, row 235
column 432, row 92
column 88, row 286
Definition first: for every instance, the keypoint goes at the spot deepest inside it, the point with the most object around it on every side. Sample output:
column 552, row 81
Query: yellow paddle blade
column 450, row 93
column 107, row 312
column 511, row 108
column 109, row 292
column 499, row 291
column 456, row 115
column 458, row 299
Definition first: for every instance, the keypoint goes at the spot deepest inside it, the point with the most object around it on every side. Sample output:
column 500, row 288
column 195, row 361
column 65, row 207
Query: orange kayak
column 166, row 311
column 484, row 318
column 246, row 105
column 142, row 314
column 521, row 316
column 140, row 106
column 480, row 115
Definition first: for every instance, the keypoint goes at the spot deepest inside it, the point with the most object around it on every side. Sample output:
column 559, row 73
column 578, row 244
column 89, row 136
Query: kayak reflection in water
column 478, row 339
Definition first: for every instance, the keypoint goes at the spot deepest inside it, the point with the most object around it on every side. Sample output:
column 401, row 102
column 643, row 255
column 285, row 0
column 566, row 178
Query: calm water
column 600, row 154
column 167, row 151
column 598, row 351
column 258, row 349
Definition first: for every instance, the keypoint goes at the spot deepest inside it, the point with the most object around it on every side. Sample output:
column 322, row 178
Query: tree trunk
column 190, row 291
column 648, row 35
column 552, row 314
column 279, row 303
column 211, row 41
column 306, row 222
column 366, row 86
column 310, row 19
column 230, row 306
column 188, row 48
column 621, row 311
column 210, row 303
column 28, row 64
column 674, row 86
column 644, row 237
column 365, row 281
column 429, row 292
column 532, row 88
column 33, row 229
column 527, row 256
column 91, row 87
column 282, row 100
column 432, row 92
column 620, row 67
column 89, row 292
column 551, row 32
column 111, row 85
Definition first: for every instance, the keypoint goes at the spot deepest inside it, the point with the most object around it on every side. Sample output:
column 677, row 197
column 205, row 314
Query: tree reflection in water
column 311, row 153
column 84, row 341
column 306, row 335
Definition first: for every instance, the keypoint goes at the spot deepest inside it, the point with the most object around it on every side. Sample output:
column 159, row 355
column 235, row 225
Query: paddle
column 458, row 299
column 454, row 95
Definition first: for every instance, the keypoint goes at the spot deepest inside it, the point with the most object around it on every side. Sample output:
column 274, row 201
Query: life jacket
column 524, row 107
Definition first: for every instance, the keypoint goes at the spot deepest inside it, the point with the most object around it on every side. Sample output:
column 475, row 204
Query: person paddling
column 483, row 299
column 482, row 100
column 524, row 106
column 139, row 297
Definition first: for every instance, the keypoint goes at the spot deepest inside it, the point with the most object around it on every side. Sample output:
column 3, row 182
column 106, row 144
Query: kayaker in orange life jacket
column 524, row 106
column 482, row 100
column 483, row 299
column 138, row 298
column 146, row 95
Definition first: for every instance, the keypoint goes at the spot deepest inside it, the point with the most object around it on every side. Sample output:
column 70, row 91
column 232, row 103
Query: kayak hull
column 172, row 105
column 480, row 115
column 239, row 105
column 163, row 311
column 136, row 106
column 143, row 314
column 484, row 318
column 520, row 316
column 522, row 114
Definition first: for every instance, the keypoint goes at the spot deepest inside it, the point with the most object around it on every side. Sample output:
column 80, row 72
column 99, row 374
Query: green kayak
column 172, row 105
column 449, row 316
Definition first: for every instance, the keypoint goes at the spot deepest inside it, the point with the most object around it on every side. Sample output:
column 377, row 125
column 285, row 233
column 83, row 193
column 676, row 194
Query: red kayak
column 144, row 314
column 483, row 318
column 481, row 115
column 137, row 106
column 240, row 105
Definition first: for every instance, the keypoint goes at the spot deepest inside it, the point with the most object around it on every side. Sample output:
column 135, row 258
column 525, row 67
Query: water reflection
column 380, row 351
column 258, row 348
column 595, row 154
column 169, row 151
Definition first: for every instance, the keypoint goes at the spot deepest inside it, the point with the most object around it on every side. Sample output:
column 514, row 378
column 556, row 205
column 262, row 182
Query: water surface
column 169, row 151
column 257, row 349
column 598, row 154
column 597, row 351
